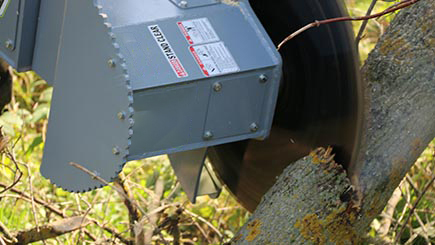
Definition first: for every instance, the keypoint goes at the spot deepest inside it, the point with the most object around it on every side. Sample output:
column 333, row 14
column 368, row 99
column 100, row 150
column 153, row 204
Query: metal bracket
column 196, row 177
column 185, row 4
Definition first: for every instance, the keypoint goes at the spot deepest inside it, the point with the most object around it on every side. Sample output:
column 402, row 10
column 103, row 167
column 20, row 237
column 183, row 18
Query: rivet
column 111, row 63
column 208, row 135
column 116, row 150
column 217, row 87
column 253, row 127
column 121, row 115
column 183, row 4
column 263, row 78
column 9, row 44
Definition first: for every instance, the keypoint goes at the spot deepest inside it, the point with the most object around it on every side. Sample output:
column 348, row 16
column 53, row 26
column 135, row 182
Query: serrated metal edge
column 130, row 109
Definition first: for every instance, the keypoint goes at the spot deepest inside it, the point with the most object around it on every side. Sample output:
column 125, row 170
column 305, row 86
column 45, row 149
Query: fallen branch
column 51, row 230
column 59, row 212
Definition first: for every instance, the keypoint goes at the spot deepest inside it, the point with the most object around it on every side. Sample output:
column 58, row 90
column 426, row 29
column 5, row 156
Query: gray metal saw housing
column 135, row 79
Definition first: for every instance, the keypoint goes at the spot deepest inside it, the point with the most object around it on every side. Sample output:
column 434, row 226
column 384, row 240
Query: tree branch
column 120, row 191
column 7, row 233
column 317, row 23
column 51, row 230
column 133, row 213
column 312, row 201
column 364, row 24
column 411, row 212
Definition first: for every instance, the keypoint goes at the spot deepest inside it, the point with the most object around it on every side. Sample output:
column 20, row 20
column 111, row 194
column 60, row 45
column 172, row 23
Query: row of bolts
column 217, row 87
column 208, row 135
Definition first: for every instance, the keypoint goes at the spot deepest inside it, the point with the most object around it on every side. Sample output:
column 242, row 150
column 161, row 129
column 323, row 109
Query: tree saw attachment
column 192, row 79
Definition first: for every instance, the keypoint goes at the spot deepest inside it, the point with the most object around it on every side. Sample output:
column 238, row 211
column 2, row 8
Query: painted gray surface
column 239, row 104
column 193, row 3
column 8, row 30
column 209, row 183
column 188, row 167
column 174, row 118
column 148, row 66
column 19, row 25
column 47, row 38
column 172, row 114
column 196, row 177
column 83, row 125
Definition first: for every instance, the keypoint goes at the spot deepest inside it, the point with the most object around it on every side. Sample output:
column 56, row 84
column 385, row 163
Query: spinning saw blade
column 319, row 102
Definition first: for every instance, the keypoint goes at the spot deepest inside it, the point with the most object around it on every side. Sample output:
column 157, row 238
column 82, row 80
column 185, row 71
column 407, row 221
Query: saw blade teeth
column 109, row 27
column 117, row 47
column 129, row 87
column 126, row 77
column 124, row 67
column 103, row 15
column 118, row 63
column 131, row 121
column 122, row 59
column 131, row 111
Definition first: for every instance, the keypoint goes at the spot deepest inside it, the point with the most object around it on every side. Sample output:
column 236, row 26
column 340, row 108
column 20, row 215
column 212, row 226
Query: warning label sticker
column 214, row 59
column 198, row 31
column 167, row 51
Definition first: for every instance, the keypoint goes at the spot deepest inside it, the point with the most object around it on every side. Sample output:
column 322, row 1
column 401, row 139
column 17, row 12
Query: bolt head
column 111, row 63
column 208, row 135
column 217, row 87
column 254, row 127
column 263, row 78
column 183, row 4
column 121, row 115
column 9, row 44
column 116, row 150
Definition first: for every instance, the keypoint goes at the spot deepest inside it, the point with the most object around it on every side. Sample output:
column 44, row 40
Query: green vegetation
column 25, row 123
column 153, row 185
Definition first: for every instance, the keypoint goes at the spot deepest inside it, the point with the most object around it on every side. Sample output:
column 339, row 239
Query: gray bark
column 312, row 201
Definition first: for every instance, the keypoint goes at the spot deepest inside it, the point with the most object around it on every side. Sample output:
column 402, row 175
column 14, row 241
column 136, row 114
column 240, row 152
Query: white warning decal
column 4, row 4
column 168, row 52
column 214, row 59
column 198, row 31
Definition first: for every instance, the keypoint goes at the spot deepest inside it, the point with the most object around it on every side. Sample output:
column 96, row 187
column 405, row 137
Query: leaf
column 36, row 84
column 36, row 142
column 11, row 119
column 41, row 112
column 7, row 128
column 46, row 95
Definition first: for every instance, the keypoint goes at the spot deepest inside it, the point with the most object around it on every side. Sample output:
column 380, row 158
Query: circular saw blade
column 320, row 99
